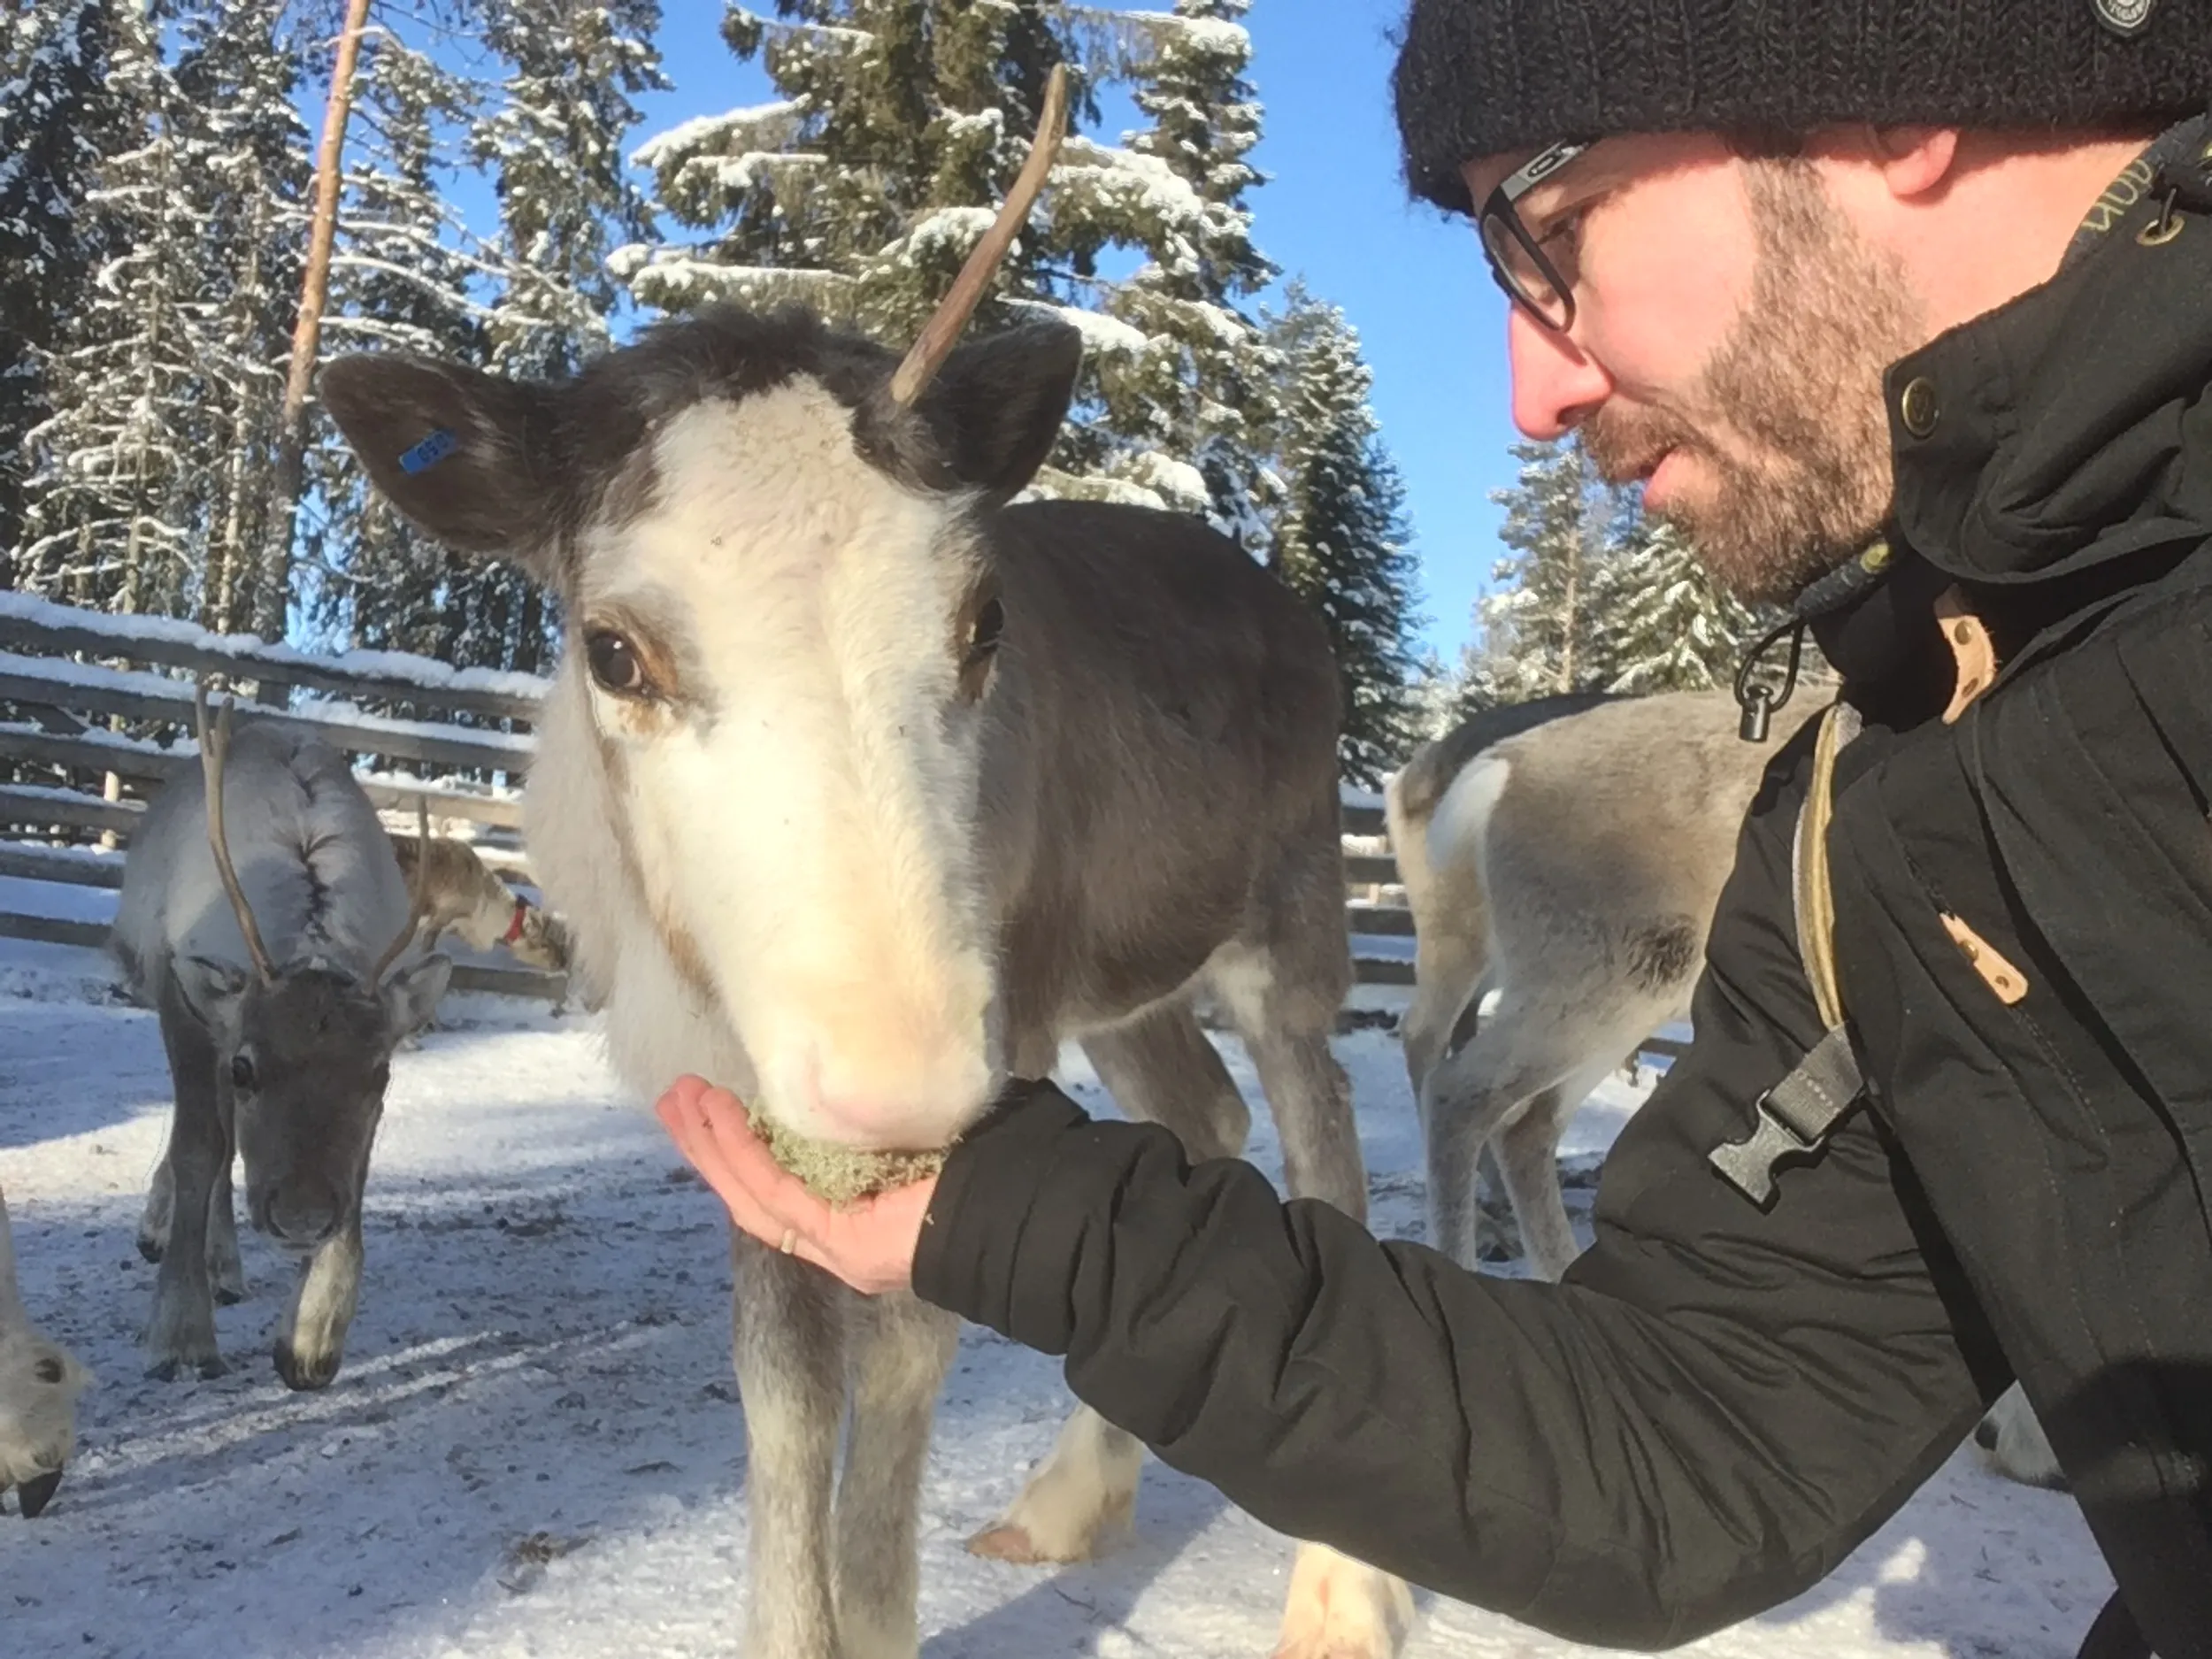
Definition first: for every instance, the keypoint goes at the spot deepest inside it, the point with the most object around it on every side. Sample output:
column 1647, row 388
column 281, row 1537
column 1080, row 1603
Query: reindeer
column 40, row 1381
column 1562, row 859
column 280, row 1037
column 462, row 892
column 1041, row 771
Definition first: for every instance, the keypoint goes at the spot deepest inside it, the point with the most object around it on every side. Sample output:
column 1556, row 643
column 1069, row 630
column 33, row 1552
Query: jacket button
column 1918, row 406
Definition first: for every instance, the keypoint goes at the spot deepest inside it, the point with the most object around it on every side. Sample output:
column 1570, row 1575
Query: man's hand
column 870, row 1246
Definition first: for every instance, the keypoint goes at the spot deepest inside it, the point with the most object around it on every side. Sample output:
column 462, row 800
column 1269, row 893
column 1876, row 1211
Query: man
column 1906, row 314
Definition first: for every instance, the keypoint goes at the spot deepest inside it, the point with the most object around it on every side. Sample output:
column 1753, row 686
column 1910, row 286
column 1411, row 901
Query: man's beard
column 1804, row 481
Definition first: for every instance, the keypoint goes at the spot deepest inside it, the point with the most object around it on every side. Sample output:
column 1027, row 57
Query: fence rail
column 63, row 671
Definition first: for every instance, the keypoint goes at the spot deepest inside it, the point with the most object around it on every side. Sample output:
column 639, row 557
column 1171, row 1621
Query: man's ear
column 998, row 402
column 466, row 456
column 1915, row 160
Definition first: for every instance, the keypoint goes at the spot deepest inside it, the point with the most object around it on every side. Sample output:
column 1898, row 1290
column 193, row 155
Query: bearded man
column 1905, row 313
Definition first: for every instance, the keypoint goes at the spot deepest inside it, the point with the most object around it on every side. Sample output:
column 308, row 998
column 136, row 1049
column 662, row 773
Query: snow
column 534, row 1450
column 1102, row 334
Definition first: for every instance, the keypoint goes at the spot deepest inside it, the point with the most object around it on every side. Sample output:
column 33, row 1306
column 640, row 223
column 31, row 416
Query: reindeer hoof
column 228, row 1295
column 305, row 1376
column 34, row 1494
column 149, row 1247
column 1006, row 1543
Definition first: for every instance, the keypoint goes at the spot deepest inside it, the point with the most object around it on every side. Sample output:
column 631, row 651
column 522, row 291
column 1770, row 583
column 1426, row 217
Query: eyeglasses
column 1517, row 260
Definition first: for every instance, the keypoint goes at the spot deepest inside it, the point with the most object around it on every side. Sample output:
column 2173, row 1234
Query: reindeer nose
column 1986, row 1435
column 304, row 1210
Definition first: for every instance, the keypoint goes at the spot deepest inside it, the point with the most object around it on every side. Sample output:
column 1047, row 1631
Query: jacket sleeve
column 1713, row 1409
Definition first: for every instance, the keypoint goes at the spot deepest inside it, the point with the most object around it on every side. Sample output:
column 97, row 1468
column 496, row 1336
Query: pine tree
column 1666, row 627
column 58, row 118
column 1543, row 633
column 1340, row 541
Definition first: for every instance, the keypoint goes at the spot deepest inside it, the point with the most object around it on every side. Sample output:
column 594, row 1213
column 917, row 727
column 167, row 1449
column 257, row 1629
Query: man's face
column 1731, row 328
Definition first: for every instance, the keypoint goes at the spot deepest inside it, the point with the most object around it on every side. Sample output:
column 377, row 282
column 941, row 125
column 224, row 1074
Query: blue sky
column 1335, row 214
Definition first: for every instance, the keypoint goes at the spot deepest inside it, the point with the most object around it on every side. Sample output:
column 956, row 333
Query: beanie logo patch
column 2124, row 18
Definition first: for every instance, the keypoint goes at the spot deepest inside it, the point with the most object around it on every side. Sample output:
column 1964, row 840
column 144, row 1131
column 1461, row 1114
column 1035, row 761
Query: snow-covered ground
column 534, row 1447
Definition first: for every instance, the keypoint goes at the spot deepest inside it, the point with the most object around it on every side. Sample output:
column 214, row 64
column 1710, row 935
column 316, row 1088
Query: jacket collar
column 2057, row 432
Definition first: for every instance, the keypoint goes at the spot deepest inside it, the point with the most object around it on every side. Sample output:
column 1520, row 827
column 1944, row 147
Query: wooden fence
column 84, row 700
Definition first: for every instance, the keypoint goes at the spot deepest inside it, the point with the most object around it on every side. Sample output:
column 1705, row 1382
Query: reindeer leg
column 902, row 1349
column 1081, row 1500
column 310, row 1344
column 180, row 1335
column 223, row 1264
column 1283, row 1002
column 1528, row 1156
column 153, row 1222
column 789, row 1349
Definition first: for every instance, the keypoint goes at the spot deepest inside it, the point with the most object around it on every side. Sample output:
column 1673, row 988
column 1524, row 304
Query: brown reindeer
column 463, row 894
column 859, row 784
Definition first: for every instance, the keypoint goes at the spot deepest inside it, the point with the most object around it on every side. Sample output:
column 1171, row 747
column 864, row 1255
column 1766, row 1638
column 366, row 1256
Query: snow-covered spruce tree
column 1340, row 539
column 1187, row 377
column 59, row 117
column 1665, row 626
column 116, row 496
column 401, row 275
column 901, row 126
column 237, row 69
column 1541, row 633
column 551, row 140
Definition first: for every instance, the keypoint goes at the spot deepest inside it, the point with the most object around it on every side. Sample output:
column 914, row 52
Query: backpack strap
column 1798, row 1114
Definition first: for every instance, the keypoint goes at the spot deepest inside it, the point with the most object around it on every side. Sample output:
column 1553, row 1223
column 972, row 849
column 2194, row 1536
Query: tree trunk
column 314, row 290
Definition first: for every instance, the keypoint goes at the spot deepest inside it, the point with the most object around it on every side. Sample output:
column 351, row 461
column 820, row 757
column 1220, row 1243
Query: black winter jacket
column 1721, row 1402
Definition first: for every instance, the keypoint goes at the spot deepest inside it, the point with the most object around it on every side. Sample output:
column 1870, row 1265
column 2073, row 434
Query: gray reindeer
column 263, row 916
column 1562, row 859
column 40, row 1381
column 858, row 783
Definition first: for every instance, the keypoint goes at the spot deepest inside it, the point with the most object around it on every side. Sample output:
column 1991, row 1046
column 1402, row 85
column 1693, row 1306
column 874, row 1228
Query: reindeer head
column 784, row 626
column 39, row 1385
column 40, row 1381
column 303, row 1049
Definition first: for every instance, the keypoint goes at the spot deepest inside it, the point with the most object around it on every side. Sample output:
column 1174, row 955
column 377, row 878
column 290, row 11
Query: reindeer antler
column 942, row 331
column 414, row 924
column 214, row 751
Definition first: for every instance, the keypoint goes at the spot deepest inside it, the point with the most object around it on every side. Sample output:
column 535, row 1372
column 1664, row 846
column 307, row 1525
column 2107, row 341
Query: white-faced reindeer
column 1040, row 771
column 463, row 894
column 263, row 916
column 1567, row 855
column 40, row 1381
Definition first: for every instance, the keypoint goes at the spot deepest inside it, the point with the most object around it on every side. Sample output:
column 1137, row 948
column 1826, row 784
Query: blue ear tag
column 429, row 452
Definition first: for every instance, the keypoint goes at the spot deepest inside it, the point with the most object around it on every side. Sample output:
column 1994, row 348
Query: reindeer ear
column 999, row 401
column 212, row 989
column 466, row 456
column 411, row 995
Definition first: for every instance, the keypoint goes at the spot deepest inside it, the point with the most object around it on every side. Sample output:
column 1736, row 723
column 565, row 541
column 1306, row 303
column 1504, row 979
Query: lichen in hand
column 842, row 1176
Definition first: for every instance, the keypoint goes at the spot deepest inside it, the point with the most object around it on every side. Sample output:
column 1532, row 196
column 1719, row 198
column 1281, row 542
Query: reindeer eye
column 614, row 663
column 241, row 1071
column 48, row 1370
column 990, row 622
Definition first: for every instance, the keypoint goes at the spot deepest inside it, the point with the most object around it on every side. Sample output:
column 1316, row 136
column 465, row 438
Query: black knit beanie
column 1480, row 78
